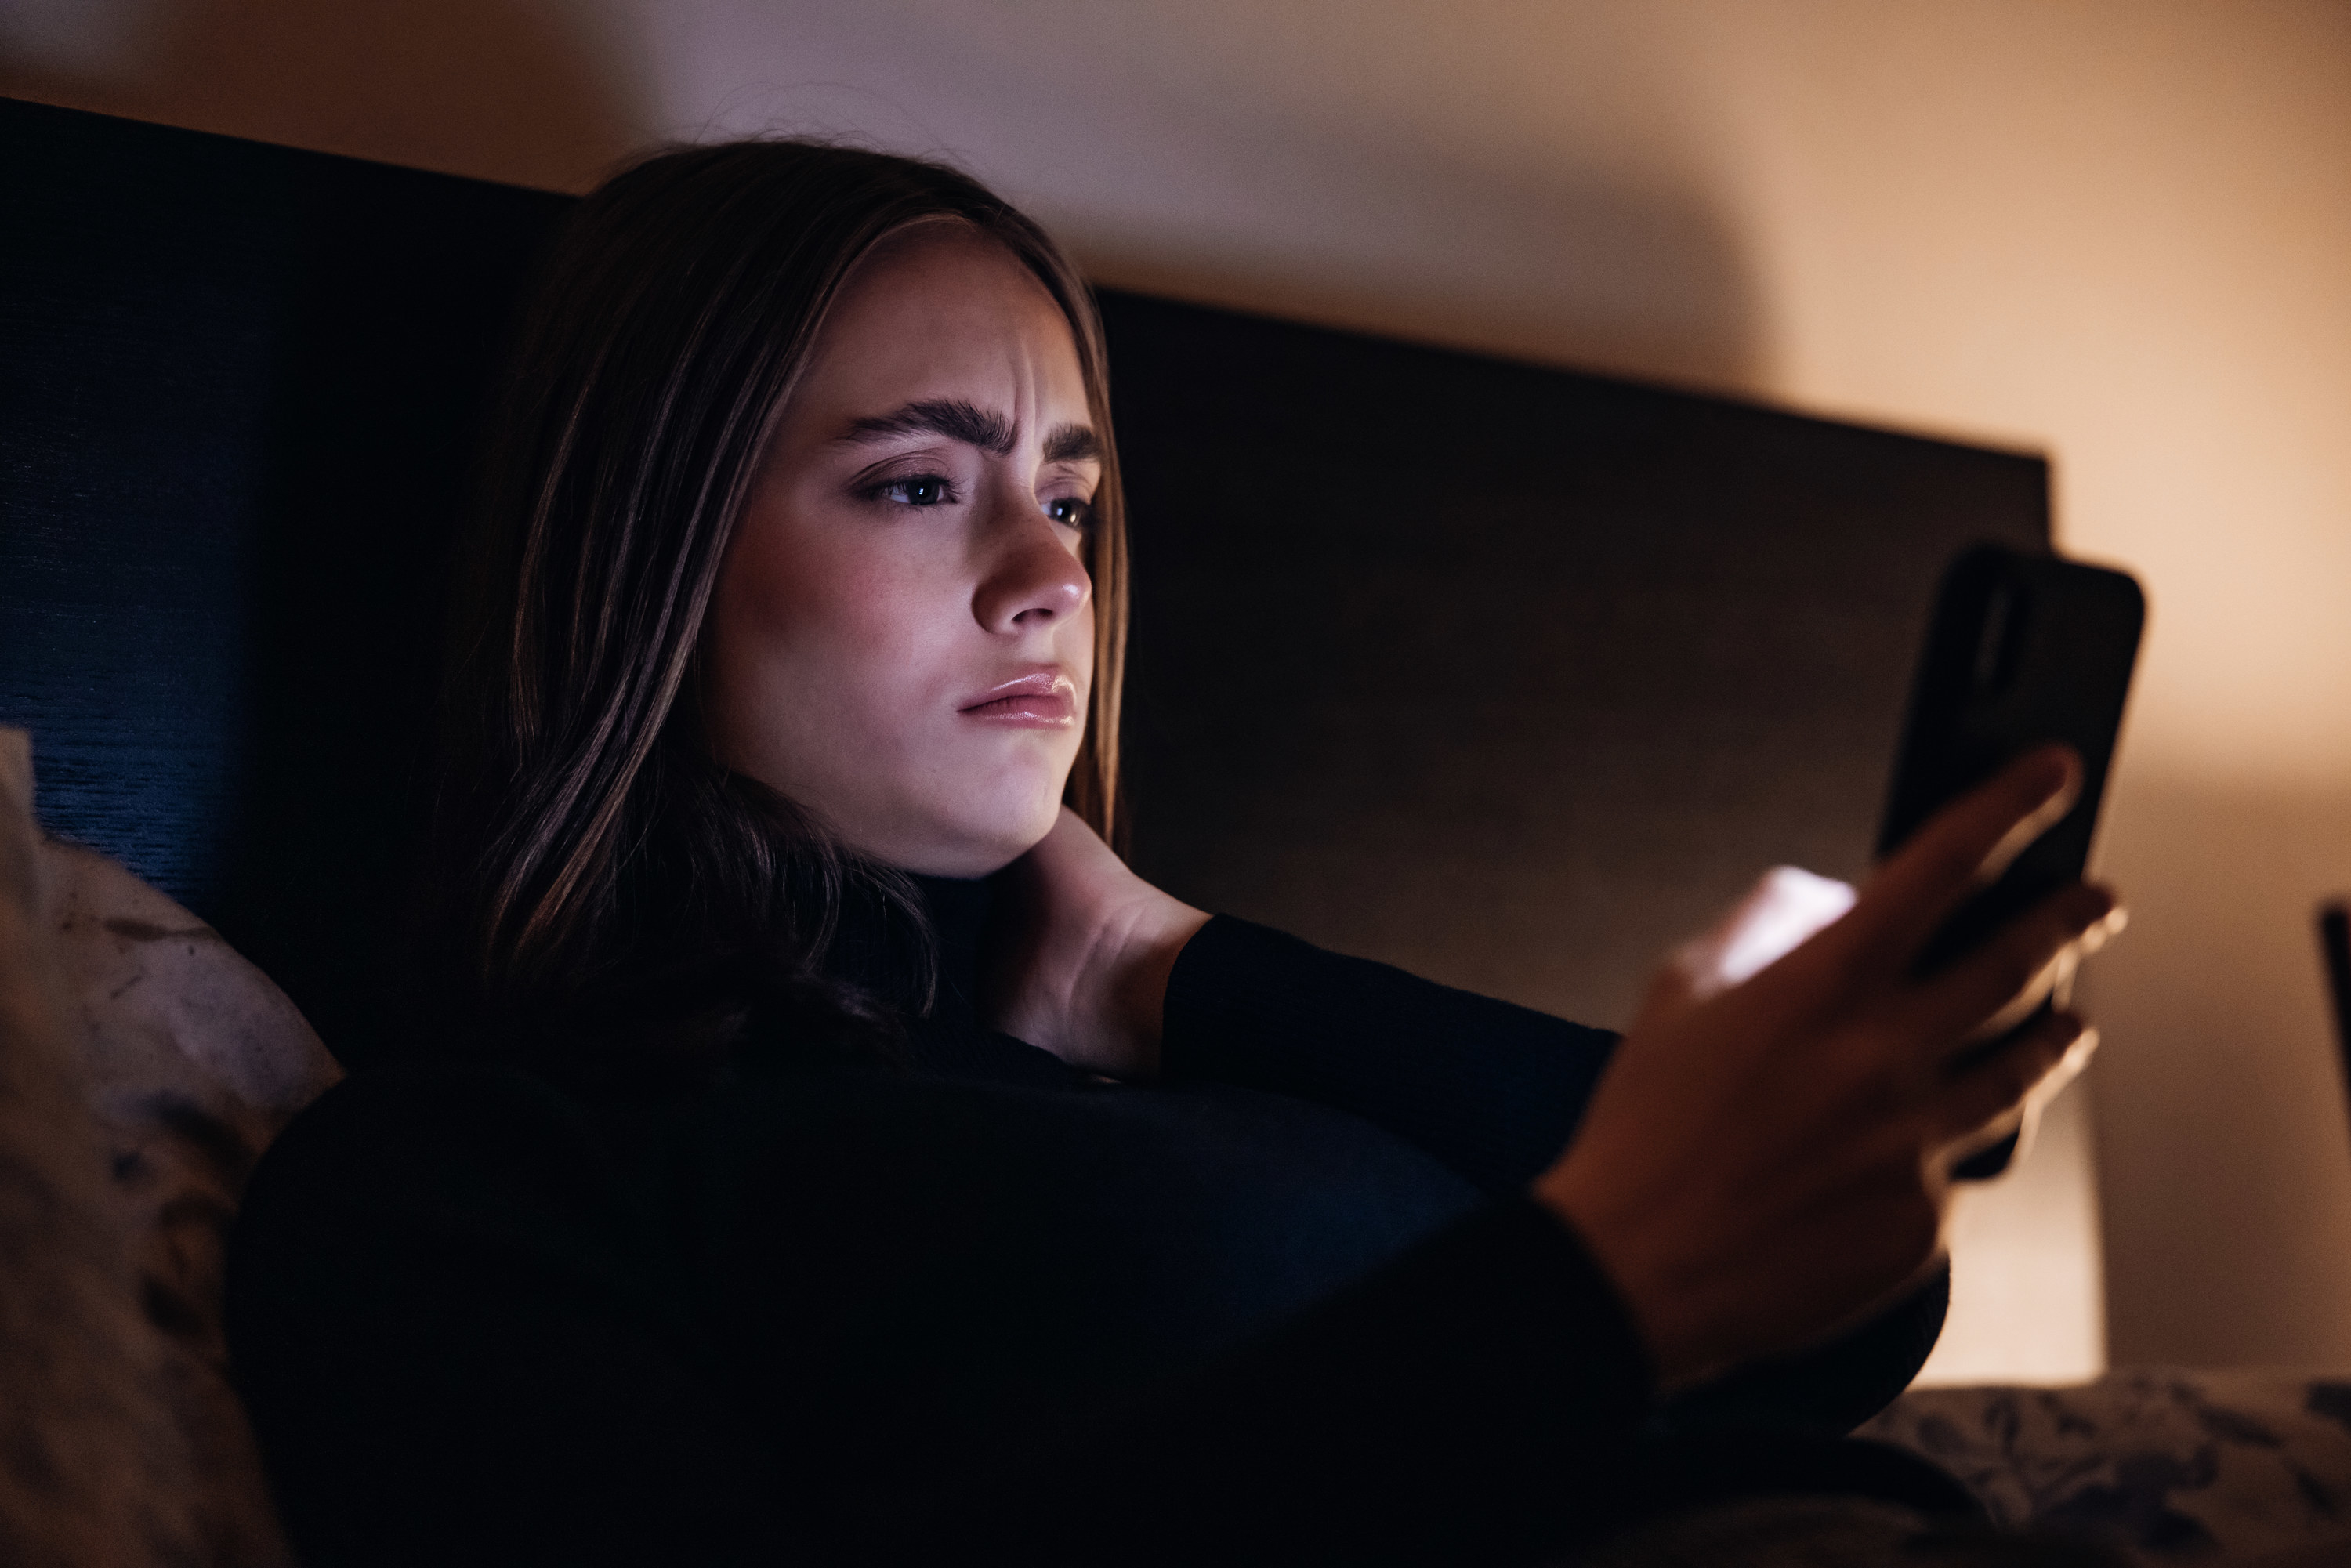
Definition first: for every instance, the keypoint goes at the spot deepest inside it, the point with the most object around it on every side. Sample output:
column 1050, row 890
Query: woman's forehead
column 945, row 314
column 946, row 277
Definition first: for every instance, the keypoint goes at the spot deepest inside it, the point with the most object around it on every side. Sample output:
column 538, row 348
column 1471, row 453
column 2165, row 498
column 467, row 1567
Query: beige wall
column 2119, row 230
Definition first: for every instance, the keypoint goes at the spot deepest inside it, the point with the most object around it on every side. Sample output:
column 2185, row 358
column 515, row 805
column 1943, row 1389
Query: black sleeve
column 452, row 1350
column 1491, row 1089
column 460, row 1347
column 1494, row 1091
column 1478, row 1400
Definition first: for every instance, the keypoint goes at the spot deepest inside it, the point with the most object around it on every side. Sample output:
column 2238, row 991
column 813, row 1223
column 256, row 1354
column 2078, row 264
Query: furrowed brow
column 1072, row 444
column 950, row 417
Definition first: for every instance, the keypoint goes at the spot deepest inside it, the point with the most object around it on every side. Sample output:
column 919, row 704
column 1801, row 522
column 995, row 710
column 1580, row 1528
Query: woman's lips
column 1045, row 699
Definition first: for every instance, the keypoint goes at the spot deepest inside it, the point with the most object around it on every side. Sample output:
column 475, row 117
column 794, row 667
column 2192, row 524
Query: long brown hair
column 586, row 845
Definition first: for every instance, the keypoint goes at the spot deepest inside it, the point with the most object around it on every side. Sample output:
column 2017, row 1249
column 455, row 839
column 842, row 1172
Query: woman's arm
column 1480, row 1400
column 448, row 1324
column 1493, row 1089
column 465, row 1339
column 1111, row 974
column 1817, row 1100
column 1114, row 975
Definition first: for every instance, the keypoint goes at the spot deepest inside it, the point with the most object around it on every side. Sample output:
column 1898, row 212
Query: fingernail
column 2049, row 770
column 2101, row 931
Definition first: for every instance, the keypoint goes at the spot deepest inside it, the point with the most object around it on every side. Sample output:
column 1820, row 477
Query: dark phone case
column 2022, row 650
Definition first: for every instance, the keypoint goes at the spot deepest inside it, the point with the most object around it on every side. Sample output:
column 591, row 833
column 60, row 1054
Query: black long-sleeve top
column 1288, row 1305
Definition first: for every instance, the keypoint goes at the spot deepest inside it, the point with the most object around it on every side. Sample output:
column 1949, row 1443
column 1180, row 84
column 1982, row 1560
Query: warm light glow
column 2114, row 229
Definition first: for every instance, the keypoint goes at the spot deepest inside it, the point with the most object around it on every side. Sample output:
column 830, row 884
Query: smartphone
column 2021, row 650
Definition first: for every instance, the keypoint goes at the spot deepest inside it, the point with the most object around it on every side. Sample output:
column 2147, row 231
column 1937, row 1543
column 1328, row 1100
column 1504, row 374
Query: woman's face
column 903, row 637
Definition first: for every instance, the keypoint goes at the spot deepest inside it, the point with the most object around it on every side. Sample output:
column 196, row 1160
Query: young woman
column 784, row 1184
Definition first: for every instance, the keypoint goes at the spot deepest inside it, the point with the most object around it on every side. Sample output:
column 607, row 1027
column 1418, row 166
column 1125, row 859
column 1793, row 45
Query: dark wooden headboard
column 1503, row 673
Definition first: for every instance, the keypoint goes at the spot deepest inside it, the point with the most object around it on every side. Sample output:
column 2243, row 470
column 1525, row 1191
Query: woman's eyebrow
column 1072, row 444
column 974, row 426
column 951, row 417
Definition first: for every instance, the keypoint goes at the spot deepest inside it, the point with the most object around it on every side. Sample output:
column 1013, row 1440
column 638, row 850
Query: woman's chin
column 973, row 846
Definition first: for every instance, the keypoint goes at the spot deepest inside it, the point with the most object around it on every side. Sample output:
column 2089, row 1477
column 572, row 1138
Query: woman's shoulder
column 429, row 1101
column 467, row 1135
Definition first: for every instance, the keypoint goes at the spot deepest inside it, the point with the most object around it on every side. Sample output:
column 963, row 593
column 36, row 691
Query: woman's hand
column 1088, row 947
column 1765, row 1163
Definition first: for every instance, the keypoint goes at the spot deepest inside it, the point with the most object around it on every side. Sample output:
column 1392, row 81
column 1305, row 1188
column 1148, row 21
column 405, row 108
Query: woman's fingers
column 1999, row 1085
column 1962, row 846
column 2010, row 973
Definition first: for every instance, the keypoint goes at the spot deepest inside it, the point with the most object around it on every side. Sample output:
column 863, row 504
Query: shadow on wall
column 465, row 87
column 2224, row 1133
column 1573, row 269
column 1349, row 166
column 1359, row 226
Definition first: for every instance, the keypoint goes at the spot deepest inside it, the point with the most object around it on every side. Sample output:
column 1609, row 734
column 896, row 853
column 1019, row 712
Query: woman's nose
column 1029, row 577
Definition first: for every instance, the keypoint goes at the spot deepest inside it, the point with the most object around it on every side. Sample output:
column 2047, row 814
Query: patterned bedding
column 2170, row 1467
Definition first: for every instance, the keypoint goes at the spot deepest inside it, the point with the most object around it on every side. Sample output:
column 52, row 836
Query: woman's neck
column 957, row 910
column 921, row 956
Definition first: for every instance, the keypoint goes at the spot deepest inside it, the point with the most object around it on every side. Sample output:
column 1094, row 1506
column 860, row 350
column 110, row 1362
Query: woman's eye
column 1070, row 511
column 920, row 490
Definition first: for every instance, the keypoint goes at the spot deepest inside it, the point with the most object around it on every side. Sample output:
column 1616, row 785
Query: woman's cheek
column 898, row 625
column 838, row 592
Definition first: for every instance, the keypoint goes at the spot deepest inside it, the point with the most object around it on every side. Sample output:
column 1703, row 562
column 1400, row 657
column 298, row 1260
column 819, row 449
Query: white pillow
column 144, row 1067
